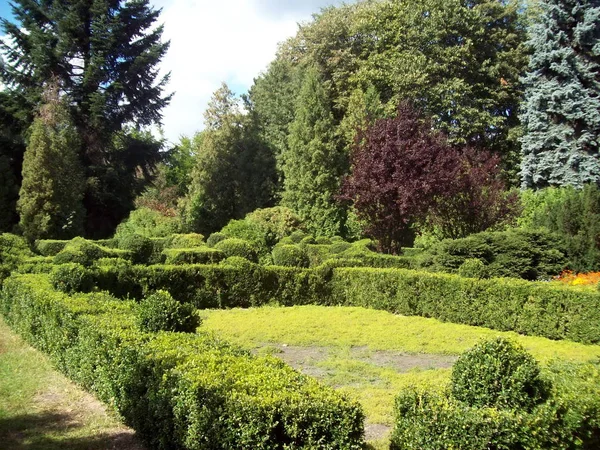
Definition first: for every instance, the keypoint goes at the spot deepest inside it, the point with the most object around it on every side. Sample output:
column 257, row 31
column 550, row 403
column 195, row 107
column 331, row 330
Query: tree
column 459, row 61
column 9, row 192
column 234, row 172
column 477, row 200
column 104, row 55
column 397, row 172
column 314, row 164
column 561, row 112
column 50, row 199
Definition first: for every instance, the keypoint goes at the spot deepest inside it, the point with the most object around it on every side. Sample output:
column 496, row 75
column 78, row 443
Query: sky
column 215, row 41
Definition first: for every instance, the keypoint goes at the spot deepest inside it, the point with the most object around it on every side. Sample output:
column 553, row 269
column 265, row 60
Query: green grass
column 41, row 410
column 349, row 338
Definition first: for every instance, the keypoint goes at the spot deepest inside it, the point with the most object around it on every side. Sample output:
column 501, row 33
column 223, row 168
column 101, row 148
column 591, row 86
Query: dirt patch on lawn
column 403, row 362
column 305, row 358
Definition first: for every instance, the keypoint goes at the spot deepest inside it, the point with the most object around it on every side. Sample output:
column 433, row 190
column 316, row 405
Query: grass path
column 369, row 355
column 42, row 410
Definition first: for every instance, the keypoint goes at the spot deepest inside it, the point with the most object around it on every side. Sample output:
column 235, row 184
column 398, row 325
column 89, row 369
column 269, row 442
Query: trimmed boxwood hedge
column 505, row 304
column 49, row 247
column 178, row 391
column 194, row 255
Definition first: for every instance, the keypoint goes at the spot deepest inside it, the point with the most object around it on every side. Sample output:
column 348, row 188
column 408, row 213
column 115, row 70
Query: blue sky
column 215, row 41
column 5, row 9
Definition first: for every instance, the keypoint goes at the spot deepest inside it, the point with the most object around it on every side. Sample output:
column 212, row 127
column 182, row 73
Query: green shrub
column 297, row 236
column 308, row 240
column 337, row 239
column 276, row 223
column 149, row 223
column 160, row 312
column 139, row 247
column 323, row 240
column 238, row 262
column 215, row 238
column 573, row 214
column 81, row 251
column 237, row 247
column 515, row 253
column 473, row 268
column 189, row 240
column 36, row 264
column 13, row 250
column 290, row 256
column 196, row 255
column 568, row 419
column 498, row 373
column 116, row 263
column 49, row 247
column 72, row 277
column 339, row 247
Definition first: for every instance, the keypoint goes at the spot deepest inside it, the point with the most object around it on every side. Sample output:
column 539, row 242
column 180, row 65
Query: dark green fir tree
column 314, row 163
column 561, row 112
column 104, row 54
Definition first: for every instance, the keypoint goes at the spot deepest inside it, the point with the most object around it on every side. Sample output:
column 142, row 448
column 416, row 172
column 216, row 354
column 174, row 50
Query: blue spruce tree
column 561, row 111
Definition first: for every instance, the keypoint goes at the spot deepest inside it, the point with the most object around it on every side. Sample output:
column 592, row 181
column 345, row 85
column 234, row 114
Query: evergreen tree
column 104, row 55
column 313, row 164
column 50, row 199
column 234, row 172
column 561, row 112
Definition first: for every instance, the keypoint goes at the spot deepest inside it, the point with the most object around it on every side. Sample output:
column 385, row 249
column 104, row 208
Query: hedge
column 505, row 304
column 569, row 419
column 195, row 255
column 49, row 247
column 218, row 286
column 178, row 391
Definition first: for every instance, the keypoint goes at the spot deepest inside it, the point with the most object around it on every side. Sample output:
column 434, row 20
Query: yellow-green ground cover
column 42, row 410
column 369, row 354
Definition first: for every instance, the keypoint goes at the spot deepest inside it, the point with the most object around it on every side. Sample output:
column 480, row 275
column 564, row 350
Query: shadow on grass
column 50, row 431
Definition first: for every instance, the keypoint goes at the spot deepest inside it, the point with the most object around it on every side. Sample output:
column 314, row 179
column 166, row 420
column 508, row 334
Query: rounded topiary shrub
column 72, row 277
column 323, row 240
column 297, row 236
column 238, row 262
column 215, row 238
column 290, row 256
column 188, row 240
column 498, row 373
column 473, row 268
column 237, row 247
column 79, row 251
column 139, row 247
column 339, row 247
column 308, row 240
column 160, row 312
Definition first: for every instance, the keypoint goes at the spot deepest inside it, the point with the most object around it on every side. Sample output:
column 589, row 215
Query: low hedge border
column 179, row 391
column 504, row 304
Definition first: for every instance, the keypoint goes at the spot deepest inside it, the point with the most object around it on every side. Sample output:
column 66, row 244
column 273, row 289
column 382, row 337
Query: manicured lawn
column 370, row 355
column 42, row 410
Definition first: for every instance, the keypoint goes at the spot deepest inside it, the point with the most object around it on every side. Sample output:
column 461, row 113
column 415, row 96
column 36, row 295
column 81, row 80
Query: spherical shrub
column 473, row 268
column 160, row 312
column 237, row 247
column 323, row 240
column 188, row 240
column 139, row 247
column 290, row 256
column 72, row 277
column 238, row 262
column 339, row 247
column 297, row 236
column 308, row 240
column 215, row 238
column 498, row 373
column 79, row 251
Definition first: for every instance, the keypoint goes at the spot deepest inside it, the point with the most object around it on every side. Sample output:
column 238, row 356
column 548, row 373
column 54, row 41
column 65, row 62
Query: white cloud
column 215, row 41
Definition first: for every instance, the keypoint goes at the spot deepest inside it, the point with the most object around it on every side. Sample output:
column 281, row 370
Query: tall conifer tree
column 561, row 113
column 104, row 55
column 50, row 199
column 314, row 164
